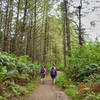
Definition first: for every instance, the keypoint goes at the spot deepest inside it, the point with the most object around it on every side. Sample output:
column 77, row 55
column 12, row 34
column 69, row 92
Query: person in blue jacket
column 53, row 74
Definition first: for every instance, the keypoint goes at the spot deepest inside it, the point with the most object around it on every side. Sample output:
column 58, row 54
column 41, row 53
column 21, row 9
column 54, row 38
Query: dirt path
column 48, row 91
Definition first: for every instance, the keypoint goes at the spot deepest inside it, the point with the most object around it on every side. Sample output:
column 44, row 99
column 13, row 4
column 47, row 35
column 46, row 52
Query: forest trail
column 47, row 91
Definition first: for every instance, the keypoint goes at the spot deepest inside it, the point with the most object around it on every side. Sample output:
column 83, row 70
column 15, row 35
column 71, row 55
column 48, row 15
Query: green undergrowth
column 21, row 91
column 85, row 61
column 60, row 66
column 74, row 91
column 81, row 80
column 16, row 73
column 69, row 87
column 30, row 88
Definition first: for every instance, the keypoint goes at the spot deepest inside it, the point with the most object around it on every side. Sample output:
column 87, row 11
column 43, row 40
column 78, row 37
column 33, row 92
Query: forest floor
column 47, row 91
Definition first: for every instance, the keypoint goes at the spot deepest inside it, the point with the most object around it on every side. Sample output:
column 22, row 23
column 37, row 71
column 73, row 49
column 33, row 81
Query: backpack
column 53, row 72
column 42, row 70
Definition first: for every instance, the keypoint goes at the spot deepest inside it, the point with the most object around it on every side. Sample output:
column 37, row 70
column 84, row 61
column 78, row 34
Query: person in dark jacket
column 53, row 74
column 42, row 74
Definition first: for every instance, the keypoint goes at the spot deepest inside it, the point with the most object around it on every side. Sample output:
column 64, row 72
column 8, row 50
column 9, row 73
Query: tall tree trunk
column 9, row 25
column 5, row 28
column 80, row 29
column 48, row 38
column 25, row 42
column 45, row 38
column 64, row 42
column 55, row 51
column 40, row 53
column 16, row 31
column 34, row 34
column 29, row 38
column 41, row 36
column 46, row 31
column 67, row 27
column 23, row 29
column 1, row 18
column 68, row 37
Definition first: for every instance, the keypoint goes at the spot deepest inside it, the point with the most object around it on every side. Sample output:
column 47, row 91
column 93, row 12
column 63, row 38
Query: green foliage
column 73, row 93
column 15, row 72
column 60, row 66
column 2, row 74
column 7, row 61
column 18, row 90
column 64, row 82
column 24, row 59
column 83, row 66
column 2, row 98
column 84, row 62
column 92, row 96
column 11, row 66
column 70, row 88
column 61, row 81
column 6, row 95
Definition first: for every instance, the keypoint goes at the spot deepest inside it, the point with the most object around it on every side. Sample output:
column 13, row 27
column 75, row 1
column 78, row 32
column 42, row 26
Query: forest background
column 50, row 32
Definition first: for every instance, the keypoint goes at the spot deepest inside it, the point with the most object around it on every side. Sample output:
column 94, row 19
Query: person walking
column 53, row 74
column 46, row 70
column 42, row 74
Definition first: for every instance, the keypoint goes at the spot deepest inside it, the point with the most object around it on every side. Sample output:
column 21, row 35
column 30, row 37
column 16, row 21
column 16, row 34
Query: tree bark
column 80, row 29
column 68, row 37
column 34, row 34
column 5, row 28
column 23, row 30
column 67, row 28
column 16, row 31
column 45, row 37
column 64, row 42
column 1, row 18
column 9, row 29
column 29, row 38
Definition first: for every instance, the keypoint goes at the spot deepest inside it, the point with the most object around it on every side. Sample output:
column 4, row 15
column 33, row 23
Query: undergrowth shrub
column 15, row 72
column 70, row 87
column 73, row 93
column 83, row 67
column 61, row 81
column 60, row 66
column 84, row 62
column 18, row 90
